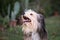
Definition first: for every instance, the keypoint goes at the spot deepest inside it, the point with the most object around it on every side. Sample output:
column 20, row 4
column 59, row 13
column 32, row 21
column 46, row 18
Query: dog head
column 31, row 21
column 29, row 16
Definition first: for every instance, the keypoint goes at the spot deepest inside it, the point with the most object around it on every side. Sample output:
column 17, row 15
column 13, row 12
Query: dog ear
column 41, row 30
column 41, row 20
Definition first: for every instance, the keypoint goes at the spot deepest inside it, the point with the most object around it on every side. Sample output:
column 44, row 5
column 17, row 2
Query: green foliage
column 4, row 6
column 4, row 21
column 12, row 33
column 55, row 4
column 50, row 6
column 48, row 10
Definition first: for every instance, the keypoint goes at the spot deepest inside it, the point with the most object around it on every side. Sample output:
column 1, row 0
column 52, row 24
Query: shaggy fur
column 33, row 26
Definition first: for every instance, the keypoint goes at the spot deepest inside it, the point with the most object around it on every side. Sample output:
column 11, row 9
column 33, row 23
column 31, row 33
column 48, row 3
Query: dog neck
column 35, row 36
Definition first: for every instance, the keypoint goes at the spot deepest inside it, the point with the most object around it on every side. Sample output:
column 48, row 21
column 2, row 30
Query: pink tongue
column 25, row 21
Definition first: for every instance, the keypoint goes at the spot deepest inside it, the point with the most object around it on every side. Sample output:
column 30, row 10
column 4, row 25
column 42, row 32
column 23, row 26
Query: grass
column 52, row 26
column 12, row 34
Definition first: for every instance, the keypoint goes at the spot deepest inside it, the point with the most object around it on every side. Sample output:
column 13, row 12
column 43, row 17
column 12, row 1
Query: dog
column 33, row 26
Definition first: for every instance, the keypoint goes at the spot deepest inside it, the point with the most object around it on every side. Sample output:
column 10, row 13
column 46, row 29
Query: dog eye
column 31, row 14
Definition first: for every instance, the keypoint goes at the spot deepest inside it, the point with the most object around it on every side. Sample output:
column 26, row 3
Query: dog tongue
column 26, row 21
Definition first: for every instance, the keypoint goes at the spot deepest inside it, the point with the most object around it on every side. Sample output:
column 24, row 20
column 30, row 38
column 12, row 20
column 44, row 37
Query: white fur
column 31, row 26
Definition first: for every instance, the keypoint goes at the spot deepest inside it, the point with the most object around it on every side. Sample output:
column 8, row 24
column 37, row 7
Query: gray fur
column 42, row 32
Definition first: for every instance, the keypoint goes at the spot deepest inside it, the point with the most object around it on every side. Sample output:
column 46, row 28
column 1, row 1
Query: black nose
column 23, row 16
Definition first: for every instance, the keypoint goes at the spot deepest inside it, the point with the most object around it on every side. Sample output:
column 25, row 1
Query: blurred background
column 10, row 10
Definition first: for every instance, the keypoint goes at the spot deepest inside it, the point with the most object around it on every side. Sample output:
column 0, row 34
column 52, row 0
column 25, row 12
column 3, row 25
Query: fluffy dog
column 33, row 26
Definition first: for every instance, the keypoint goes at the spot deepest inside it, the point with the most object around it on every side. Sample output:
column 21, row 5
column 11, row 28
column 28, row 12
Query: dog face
column 31, row 21
column 30, row 16
column 33, row 24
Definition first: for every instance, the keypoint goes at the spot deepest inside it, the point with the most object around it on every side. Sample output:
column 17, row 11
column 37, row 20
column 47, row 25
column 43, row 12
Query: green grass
column 12, row 34
column 52, row 26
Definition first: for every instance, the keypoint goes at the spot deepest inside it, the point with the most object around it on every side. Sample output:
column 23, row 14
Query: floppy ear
column 41, row 20
column 41, row 30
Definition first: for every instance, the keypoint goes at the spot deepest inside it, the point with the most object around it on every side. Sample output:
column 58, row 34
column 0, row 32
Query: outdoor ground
column 52, row 26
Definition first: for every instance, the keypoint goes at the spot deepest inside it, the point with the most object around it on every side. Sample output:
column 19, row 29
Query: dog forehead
column 30, row 12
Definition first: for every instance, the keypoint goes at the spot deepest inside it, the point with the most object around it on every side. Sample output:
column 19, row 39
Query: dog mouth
column 26, row 19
